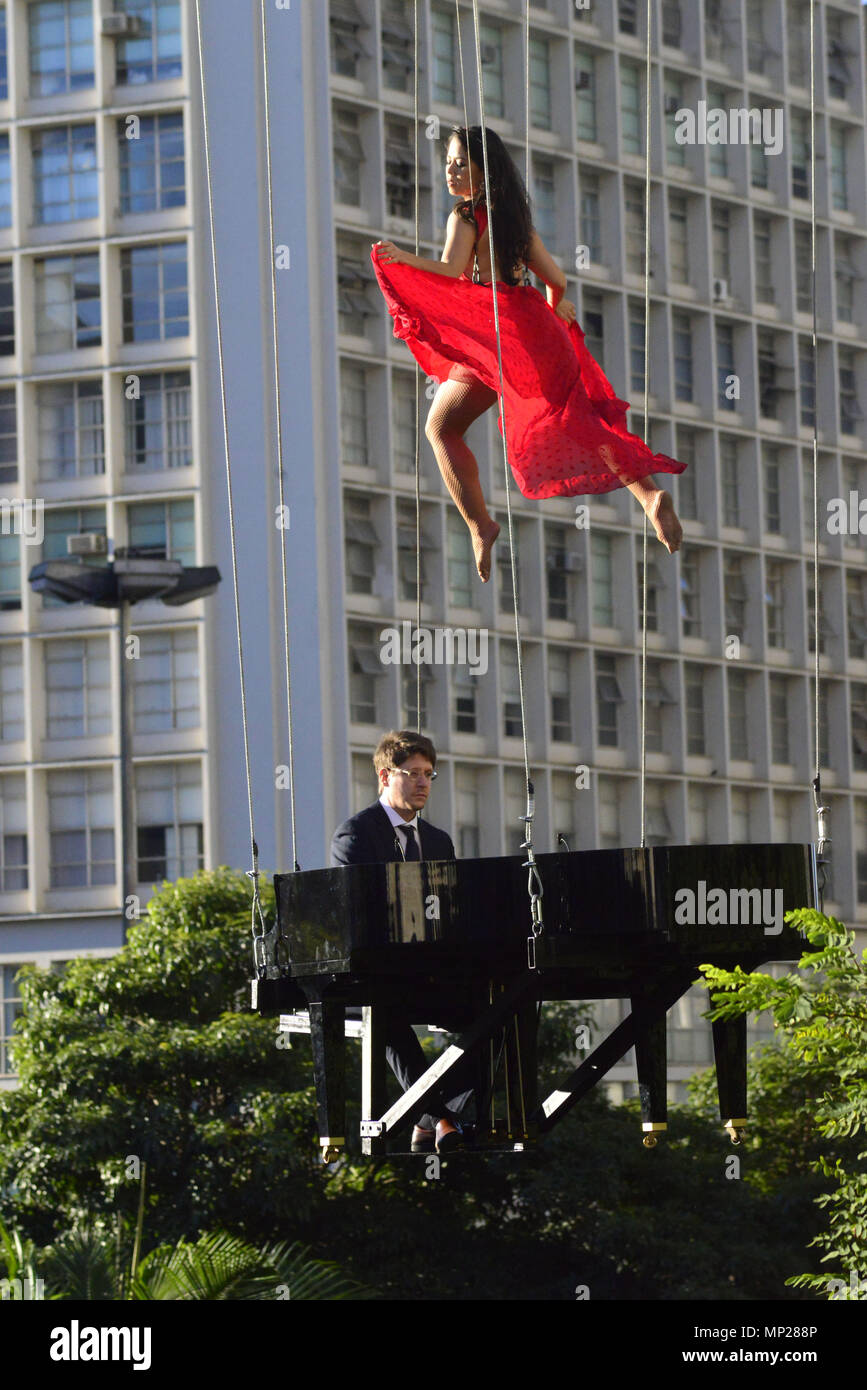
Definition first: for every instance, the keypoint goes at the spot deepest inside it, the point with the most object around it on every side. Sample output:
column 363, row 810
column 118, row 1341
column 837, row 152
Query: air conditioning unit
column 582, row 80
column 720, row 291
column 121, row 26
column 88, row 543
column 572, row 563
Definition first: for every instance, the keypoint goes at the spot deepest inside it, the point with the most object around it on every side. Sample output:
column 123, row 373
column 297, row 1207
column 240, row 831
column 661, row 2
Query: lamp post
column 127, row 579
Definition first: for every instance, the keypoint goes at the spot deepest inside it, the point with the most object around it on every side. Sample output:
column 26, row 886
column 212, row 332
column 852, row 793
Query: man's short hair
column 395, row 747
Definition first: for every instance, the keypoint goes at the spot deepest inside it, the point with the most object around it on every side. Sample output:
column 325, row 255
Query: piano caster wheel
column 649, row 1141
column 330, row 1155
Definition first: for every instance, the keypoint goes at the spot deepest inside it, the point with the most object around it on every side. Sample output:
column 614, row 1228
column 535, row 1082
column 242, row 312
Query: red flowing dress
column 561, row 410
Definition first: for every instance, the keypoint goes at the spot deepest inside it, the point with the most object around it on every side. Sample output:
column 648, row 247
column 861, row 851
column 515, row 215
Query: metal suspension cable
column 258, row 921
column 647, row 105
column 535, row 884
column 417, row 388
column 527, row 94
column 464, row 96
column 821, row 810
column 266, row 83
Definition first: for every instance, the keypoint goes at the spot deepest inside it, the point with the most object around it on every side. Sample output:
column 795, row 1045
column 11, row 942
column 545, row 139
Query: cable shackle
column 534, row 882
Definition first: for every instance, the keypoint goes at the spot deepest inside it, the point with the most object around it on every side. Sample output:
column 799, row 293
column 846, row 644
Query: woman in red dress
column 565, row 427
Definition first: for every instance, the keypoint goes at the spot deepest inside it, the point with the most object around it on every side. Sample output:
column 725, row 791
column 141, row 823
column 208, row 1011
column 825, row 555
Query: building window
column 717, row 155
column 721, row 236
column 63, row 522
column 353, row 415
column 361, row 543
column 758, row 162
column 858, row 706
column 445, row 67
column 460, row 568
column 738, row 710
column 797, row 28
column 631, row 109
column 636, row 345
column 627, row 17
column 671, row 23
column 540, row 84
column 633, row 199
column 166, row 681
column 860, row 809
column 609, row 834
column 407, row 554
column 714, row 38
column 346, row 47
column 730, row 481
column 81, row 828
column 397, row 45
column 772, row 492
column 803, row 269
column 807, row 382
column 678, row 245
column 68, row 307
column 845, row 275
column 734, row 594
column 168, row 817
column 163, row 530
column 77, row 688
column 464, row 703
column 655, row 582
column 839, row 76
column 856, row 614
column 70, row 429
column 468, row 813
column 61, row 46
column 400, row 170
column 8, row 436
column 563, row 811
column 675, row 152
column 152, row 166
column 682, row 342
column 348, row 152
column 591, row 213
column 693, row 682
column 365, row 669
column 561, row 564
column 491, row 36
column 65, row 173
column 762, row 259
column 657, row 824
column 509, row 690
column 354, row 279
column 154, row 288
column 602, row 570
column 585, row 84
column 545, row 201
column 10, row 574
column 155, row 54
column 690, row 595
column 819, row 619
column 4, row 61
column 7, row 310
column 403, row 422
column 508, row 598
column 850, row 411
column 158, row 423
column 5, row 181
column 608, row 697
column 685, row 485
column 768, row 388
column 12, row 726
column 774, row 611
column 560, row 693
column 411, row 716
column 779, row 709
column 657, row 695
column 725, row 365
column 593, row 323
column 12, row 1008
column 799, row 145
column 839, row 178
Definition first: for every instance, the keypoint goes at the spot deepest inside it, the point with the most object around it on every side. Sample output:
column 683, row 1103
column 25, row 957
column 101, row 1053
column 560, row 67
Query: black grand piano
column 448, row 940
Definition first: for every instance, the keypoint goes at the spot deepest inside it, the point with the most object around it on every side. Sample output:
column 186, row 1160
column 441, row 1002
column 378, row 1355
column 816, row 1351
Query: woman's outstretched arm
column 460, row 240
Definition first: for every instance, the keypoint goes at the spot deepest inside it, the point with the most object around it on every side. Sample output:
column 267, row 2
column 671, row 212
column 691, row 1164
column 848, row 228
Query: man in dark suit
column 391, row 829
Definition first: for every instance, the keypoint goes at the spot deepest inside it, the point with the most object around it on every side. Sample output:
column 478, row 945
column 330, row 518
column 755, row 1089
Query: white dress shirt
column 398, row 822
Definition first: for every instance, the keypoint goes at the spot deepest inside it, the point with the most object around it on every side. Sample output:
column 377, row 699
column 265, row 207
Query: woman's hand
column 566, row 311
column 391, row 254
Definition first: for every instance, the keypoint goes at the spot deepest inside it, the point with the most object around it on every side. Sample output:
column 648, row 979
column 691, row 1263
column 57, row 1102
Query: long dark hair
column 513, row 225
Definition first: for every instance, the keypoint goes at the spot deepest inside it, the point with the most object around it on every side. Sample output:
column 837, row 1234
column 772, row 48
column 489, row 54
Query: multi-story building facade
column 105, row 262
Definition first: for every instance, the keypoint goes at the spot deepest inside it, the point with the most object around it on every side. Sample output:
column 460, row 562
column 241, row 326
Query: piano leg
column 730, row 1056
column 327, row 1021
column 650, row 1058
column 373, row 1093
column 520, row 1059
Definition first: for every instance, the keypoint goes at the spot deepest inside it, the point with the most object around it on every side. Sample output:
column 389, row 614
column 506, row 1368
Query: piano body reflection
column 448, row 941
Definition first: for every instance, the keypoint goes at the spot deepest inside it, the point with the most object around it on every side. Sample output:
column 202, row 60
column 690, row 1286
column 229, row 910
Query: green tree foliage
column 821, row 1014
column 152, row 1056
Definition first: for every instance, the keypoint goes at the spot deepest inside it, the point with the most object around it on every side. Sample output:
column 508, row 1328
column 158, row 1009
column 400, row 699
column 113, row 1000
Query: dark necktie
column 411, row 851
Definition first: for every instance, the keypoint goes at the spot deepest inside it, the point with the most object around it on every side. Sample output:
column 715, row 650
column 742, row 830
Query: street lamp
column 127, row 579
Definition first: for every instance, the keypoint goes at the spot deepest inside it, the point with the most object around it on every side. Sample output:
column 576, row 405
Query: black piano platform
column 448, row 942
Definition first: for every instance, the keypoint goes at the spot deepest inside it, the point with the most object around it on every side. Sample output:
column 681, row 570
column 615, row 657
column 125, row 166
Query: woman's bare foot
column 483, row 542
column 665, row 521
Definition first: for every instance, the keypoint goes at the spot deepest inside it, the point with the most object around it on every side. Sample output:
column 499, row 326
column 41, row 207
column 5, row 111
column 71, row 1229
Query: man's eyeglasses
column 417, row 776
